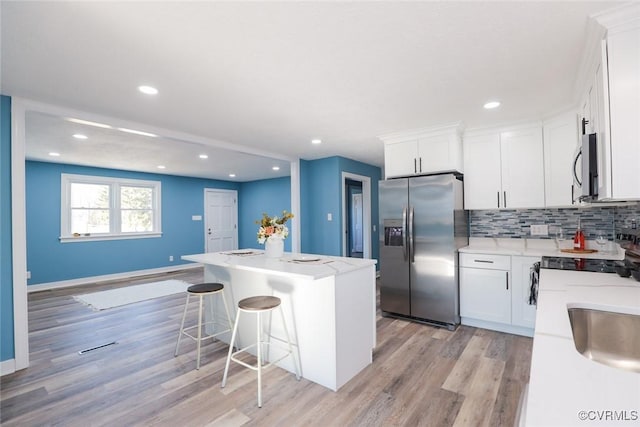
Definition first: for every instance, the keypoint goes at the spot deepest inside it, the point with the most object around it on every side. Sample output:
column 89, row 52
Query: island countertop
column 309, row 266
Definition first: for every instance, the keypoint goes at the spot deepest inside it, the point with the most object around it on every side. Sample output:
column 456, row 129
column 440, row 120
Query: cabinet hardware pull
column 415, row 166
column 498, row 194
column 486, row 261
column 506, row 276
column 420, row 164
column 573, row 201
column 505, row 199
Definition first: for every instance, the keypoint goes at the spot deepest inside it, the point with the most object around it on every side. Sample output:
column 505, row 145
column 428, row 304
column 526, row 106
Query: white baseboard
column 7, row 367
column 500, row 327
column 115, row 276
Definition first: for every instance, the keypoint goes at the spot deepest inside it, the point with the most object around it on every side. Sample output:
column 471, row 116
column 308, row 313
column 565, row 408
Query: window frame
column 115, row 209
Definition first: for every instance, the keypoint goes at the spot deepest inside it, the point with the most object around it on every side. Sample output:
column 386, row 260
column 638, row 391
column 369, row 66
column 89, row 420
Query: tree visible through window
column 104, row 207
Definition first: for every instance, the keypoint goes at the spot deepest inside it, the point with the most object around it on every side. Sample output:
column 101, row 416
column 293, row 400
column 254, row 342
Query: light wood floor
column 420, row 375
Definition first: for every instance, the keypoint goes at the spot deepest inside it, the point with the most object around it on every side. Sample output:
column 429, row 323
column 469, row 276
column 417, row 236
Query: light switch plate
column 329, row 217
column 539, row 230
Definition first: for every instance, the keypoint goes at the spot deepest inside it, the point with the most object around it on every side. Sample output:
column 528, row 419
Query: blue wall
column 321, row 189
column 270, row 196
column 7, row 348
column 48, row 260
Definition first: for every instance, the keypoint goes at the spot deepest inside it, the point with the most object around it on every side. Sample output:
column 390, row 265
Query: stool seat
column 203, row 288
column 201, row 291
column 259, row 303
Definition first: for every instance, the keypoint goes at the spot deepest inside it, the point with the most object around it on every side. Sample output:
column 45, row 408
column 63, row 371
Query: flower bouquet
column 273, row 226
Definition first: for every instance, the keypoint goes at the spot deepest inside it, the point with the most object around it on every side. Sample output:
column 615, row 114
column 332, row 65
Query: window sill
column 99, row 237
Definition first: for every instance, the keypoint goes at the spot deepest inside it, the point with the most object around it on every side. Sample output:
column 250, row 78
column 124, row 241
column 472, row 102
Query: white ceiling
column 271, row 76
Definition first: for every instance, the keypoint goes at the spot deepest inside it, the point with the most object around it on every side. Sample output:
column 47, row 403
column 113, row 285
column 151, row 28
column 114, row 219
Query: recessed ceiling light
column 232, row 175
column 137, row 132
column 276, row 168
column 148, row 90
column 87, row 122
column 161, row 166
column 80, row 136
column 203, row 156
column 316, row 141
column 54, row 154
column 491, row 104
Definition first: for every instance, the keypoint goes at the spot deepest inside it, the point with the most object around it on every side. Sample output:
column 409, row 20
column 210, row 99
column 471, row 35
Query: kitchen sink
column 607, row 337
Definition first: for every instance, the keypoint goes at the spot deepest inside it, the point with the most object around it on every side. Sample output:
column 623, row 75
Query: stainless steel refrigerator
column 423, row 224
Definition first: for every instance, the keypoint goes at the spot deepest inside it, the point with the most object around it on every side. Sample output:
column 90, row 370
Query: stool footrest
column 205, row 337
column 255, row 367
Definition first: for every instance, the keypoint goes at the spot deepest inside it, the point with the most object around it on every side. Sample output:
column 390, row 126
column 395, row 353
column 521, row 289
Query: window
column 104, row 208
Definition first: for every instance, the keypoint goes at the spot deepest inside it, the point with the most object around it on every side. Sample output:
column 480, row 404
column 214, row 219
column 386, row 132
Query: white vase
column 274, row 247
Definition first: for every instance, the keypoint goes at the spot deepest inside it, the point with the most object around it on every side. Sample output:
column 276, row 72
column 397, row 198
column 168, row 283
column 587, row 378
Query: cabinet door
column 439, row 153
column 400, row 158
column 522, row 314
column 624, row 96
column 560, row 143
column 482, row 188
column 522, row 168
column 485, row 295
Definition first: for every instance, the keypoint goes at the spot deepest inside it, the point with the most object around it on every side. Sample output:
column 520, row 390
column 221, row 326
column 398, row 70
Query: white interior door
column 221, row 220
column 356, row 218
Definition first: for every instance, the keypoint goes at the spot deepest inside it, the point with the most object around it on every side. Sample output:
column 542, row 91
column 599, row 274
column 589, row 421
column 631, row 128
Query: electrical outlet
column 28, row 275
column 329, row 217
column 170, row 258
column 539, row 230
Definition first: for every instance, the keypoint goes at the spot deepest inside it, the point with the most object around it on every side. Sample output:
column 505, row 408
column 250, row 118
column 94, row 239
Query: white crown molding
column 448, row 128
column 620, row 18
column 506, row 127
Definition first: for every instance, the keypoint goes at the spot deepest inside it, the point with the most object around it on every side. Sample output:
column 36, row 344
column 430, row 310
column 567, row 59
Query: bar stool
column 259, row 305
column 202, row 290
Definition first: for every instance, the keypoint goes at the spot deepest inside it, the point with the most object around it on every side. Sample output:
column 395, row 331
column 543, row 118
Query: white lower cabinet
column 494, row 292
column 522, row 313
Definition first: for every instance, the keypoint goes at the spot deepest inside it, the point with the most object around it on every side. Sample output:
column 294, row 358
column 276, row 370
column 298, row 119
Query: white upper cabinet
column 522, row 168
column 423, row 151
column 482, row 174
column 623, row 55
column 504, row 169
column 611, row 102
column 560, row 136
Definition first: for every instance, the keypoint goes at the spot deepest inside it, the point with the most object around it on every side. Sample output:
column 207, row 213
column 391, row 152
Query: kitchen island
column 329, row 305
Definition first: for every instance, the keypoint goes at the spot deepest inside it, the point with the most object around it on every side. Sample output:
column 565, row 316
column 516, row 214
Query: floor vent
column 81, row 352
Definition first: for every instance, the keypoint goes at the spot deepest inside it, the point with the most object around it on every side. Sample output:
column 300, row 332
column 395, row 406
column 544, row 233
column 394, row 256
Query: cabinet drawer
column 486, row 261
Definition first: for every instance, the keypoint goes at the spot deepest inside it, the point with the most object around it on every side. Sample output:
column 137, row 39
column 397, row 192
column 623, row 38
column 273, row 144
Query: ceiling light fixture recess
column 232, row 175
column 491, row 105
column 203, row 156
column 316, row 141
column 54, row 154
column 80, row 136
column 88, row 123
column 148, row 90
column 276, row 168
column 138, row 132
column 161, row 167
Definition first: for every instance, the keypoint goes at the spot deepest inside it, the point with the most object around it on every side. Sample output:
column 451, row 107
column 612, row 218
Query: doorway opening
column 353, row 202
column 356, row 216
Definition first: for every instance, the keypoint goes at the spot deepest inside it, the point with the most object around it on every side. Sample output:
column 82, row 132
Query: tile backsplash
column 514, row 223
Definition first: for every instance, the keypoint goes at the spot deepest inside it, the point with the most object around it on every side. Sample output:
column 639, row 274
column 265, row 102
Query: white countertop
column 537, row 247
column 562, row 381
column 325, row 266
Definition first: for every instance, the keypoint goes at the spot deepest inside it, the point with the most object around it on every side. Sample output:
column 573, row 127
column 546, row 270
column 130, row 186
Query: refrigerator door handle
column 412, row 252
column 404, row 232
